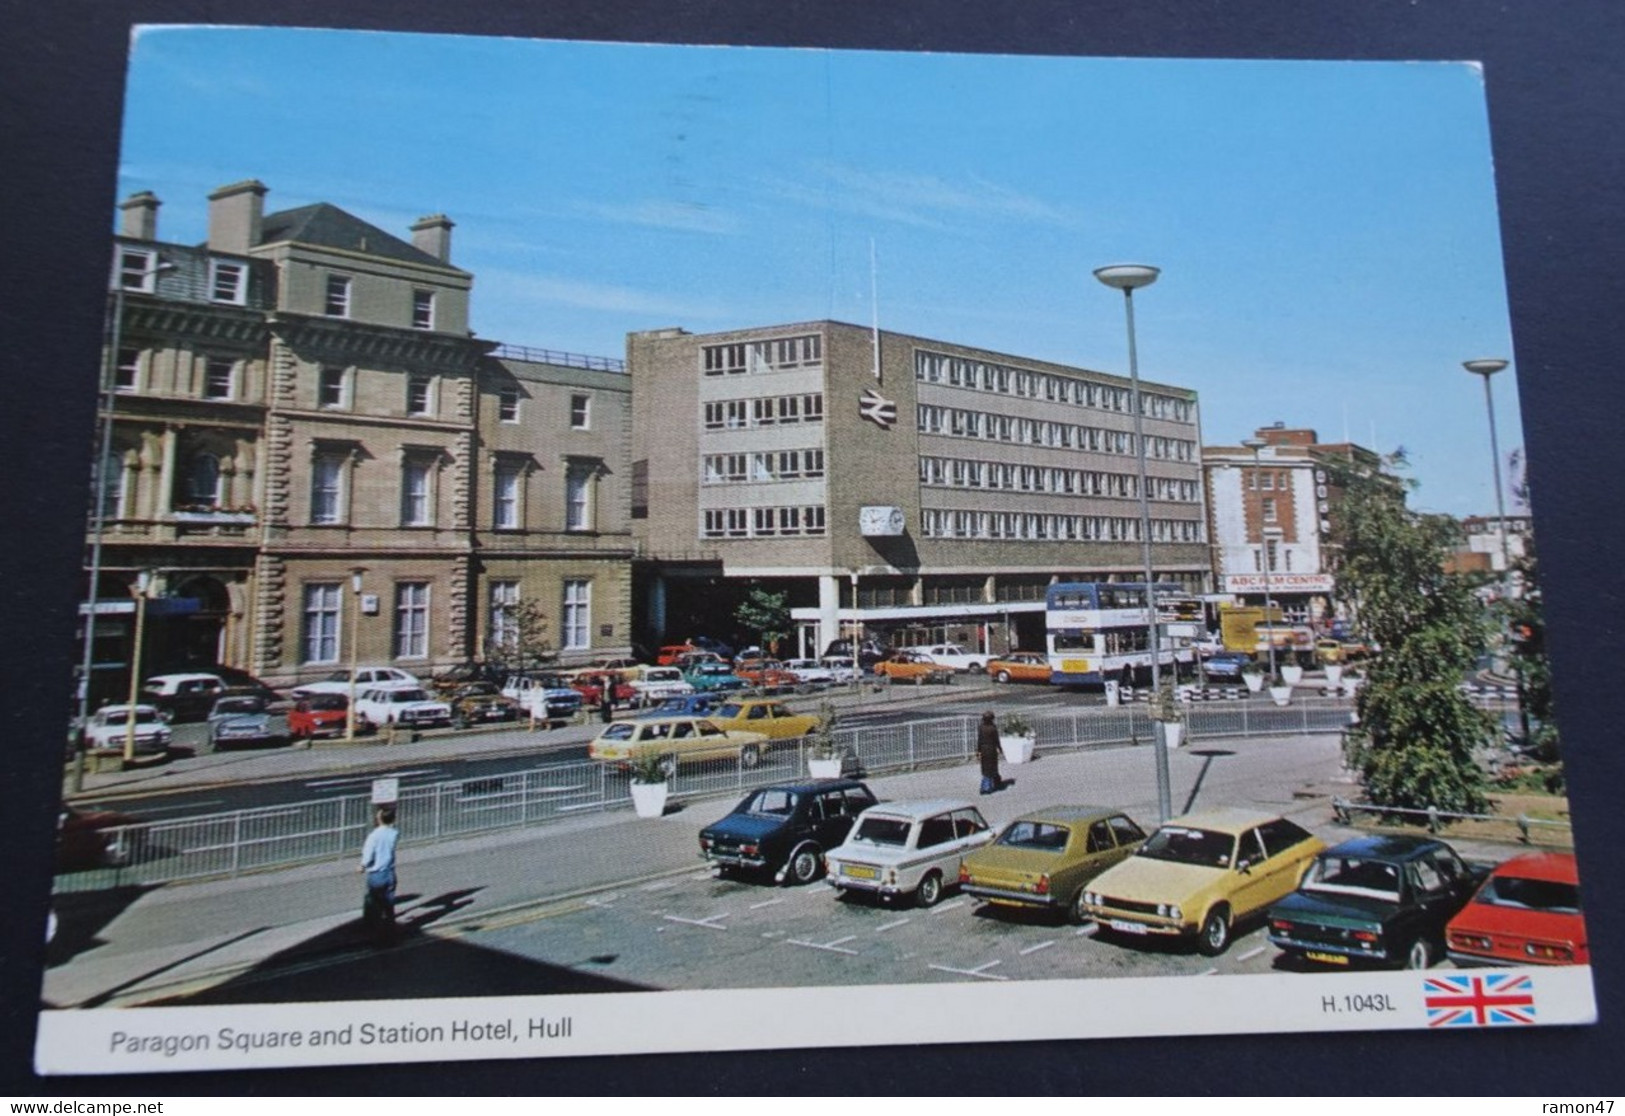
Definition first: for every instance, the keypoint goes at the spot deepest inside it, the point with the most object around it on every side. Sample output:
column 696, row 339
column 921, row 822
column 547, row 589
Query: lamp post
column 1486, row 369
column 1257, row 444
column 143, row 584
column 355, row 641
column 98, row 503
column 1127, row 278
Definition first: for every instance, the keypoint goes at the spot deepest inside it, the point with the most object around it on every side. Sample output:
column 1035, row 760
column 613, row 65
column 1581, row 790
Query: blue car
column 689, row 705
column 1226, row 665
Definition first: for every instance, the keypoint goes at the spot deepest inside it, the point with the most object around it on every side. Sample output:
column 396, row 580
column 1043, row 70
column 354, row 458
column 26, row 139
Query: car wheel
column 974, row 668
column 1420, row 955
column 1002, row 676
column 668, row 766
column 459, row 722
column 750, row 755
column 1075, row 912
column 930, row 890
column 804, row 865
column 1215, row 936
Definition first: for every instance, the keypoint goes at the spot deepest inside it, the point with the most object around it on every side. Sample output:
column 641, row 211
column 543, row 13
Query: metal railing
column 230, row 844
column 559, row 358
column 1435, row 819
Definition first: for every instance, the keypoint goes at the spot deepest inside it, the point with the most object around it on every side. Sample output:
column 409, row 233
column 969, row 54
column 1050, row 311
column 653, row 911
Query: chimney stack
column 432, row 234
column 140, row 220
column 236, row 213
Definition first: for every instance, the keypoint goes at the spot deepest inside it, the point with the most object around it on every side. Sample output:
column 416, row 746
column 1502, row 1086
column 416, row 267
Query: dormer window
column 228, row 281
column 135, row 269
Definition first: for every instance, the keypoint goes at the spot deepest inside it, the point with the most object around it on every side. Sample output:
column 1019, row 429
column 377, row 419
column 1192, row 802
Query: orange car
column 1019, row 666
column 669, row 655
column 767, row 674
column 911, row 666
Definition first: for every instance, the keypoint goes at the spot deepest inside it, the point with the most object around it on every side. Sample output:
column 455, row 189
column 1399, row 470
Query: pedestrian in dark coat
column 987, row 751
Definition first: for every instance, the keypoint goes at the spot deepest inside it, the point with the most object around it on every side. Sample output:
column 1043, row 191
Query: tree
column 766, row 613
column 523, row 643
column 1526, row 622
column 1418, row 736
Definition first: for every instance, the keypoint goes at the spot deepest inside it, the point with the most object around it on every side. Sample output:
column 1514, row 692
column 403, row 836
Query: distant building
column 300, row 398
column 916, row 489
column 1482, row 551
column 1271, row 518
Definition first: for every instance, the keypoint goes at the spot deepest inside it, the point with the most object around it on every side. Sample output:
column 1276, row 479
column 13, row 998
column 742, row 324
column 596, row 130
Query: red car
column 1526, row 913
column 591, row 689
column 767, row 674
column 319, row 715
column 93, row 839
column 669, row 654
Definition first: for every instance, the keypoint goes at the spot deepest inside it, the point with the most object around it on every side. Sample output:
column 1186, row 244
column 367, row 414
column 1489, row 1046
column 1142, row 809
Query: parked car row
column 1376, row 900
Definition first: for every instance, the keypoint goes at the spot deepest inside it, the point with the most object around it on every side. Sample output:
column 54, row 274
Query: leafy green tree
column 1418, row 736
column 765, row 612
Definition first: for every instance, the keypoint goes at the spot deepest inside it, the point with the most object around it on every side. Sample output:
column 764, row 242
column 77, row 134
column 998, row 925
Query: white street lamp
column 355, row 641
column 1487, row 368
column 1127, row 278
column 1257, row 444
column 143, row 585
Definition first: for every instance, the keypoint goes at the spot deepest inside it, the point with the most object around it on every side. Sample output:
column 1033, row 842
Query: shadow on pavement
column 81, row 916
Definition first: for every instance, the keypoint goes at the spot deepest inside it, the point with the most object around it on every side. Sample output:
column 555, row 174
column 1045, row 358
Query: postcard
column 619, row 548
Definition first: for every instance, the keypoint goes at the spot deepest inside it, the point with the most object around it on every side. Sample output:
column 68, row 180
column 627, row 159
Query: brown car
column 910, row 666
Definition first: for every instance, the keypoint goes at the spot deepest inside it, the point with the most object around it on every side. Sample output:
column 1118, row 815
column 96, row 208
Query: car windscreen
column 399, row 696
column 1036, row 835
column 730, row 711
column 328, row 702
column 239, row 705
column 1534, row 895
column 1190, row 846
column 1354, row 875
column 621, row 731
column 882, row 831
column 772, row 801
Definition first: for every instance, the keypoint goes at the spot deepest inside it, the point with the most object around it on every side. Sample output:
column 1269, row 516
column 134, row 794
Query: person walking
column 987, row 751
column 378, row 865
column 606, row 699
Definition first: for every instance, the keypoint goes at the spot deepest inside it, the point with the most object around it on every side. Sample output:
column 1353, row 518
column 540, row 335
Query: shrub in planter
column 824, row 759
column 1016, row 738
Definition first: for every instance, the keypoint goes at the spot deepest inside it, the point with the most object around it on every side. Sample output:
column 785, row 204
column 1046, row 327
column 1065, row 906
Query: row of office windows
column 770, row 465
column 750, row 357
column 323, row 630
column 980, row 375
column 765, row 522
column 946, row 523
column 960, row 423
column 767, row 410
column 331, row 478
column 954, row 472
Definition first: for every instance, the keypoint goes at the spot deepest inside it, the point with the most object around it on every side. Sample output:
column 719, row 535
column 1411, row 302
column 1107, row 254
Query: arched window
column 203, row 481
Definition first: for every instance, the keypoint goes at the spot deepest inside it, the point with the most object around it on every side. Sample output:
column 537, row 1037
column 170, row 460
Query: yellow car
column 764, row 715
column 1047, row 858
column 1019, row 666
column 678, row 740
column 1199, row 875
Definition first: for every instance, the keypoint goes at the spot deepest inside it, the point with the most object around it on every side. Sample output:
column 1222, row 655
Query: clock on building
column 881, row 521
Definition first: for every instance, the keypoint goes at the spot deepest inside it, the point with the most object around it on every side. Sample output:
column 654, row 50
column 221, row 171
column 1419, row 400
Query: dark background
column 1557, row 113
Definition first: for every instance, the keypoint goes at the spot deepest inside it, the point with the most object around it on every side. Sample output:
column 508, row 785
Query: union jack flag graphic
column 1490, row 1000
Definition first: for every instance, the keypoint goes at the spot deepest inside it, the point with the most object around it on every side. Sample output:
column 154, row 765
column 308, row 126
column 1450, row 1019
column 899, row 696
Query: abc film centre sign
column 1278, row 583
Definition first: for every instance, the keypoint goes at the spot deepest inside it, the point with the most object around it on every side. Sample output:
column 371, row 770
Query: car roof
column 919, row 807
column 1554, row 867
column 1070, row 813
column 188, row 677
column 1225, row 819
column 1386, row 846
column 810, row 786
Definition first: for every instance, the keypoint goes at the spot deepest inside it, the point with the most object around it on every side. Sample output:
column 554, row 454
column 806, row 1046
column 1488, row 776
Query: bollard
column 1433, row 819
column 1340, row 809
column 1523, row 828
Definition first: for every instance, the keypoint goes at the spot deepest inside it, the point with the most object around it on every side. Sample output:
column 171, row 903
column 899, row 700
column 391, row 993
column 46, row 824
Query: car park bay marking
column 979, row 971
column 765, row 903
column 1250, row 954
column 661, row 885
column 710, row 923
column 1036, row 948
column 892, row 925
column 835, row 946
column 1088, row 931
column 955, row 905
column 367, row 780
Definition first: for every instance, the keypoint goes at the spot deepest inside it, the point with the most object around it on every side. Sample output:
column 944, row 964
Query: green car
column 1044, row 859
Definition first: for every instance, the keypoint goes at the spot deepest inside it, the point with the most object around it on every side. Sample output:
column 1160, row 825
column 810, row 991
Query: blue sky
column 1327, row 231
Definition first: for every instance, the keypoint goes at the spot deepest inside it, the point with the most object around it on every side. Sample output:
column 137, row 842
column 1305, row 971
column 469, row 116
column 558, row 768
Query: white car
column 908, row 848
column 811, row 671
column 842, row 671
column 657, row 683
column 366, row 678
column 951, row 654
column 392, row 705
column 109, row 727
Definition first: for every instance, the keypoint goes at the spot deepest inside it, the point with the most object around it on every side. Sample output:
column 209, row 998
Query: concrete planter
column 1173, row 734
column 1016, row 749
column 1112, row 696
column 1293, row 673
column 1334, row 674
column 824, row 768
column 649, row 799
column 1254, row 682
column 1280, row 695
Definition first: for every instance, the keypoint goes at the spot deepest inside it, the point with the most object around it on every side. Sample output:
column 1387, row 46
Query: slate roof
column 328, row 226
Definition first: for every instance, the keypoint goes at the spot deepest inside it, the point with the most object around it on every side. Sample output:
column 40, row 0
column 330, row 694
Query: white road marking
column 706, row 875
column 765, row 903
column 1209, row 972
column 1251, row 953
column 893, row 925
column 1036, row 948
column 366, row 780
column 190, row 807
column 979, row 971
column 660, row 885
column 957, row 903
column 832, row 947
column 709, row 923
column 1087, row 931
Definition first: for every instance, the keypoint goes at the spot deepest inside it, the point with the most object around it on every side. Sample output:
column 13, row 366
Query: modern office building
column 296, row 408
column 892, row 484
